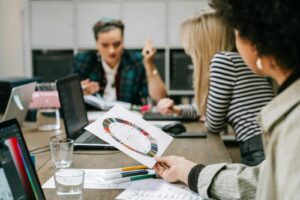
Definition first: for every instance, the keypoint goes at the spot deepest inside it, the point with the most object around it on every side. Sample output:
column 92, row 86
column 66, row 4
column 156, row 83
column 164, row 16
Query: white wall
column 11, row 42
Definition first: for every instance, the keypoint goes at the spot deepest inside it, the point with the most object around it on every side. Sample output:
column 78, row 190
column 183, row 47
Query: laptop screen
column 18, row 103
column 18, row 179
column 72, row 105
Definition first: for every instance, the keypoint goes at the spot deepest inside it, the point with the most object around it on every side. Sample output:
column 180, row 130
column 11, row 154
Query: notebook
column 18, row 102
column 75, row 115
column 18, row 178
column 156, row 116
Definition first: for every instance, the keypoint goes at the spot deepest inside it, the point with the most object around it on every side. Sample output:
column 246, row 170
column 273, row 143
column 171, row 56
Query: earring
column 259, row 64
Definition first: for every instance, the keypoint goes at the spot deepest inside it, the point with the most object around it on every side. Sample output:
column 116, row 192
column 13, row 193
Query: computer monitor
column 18, row 178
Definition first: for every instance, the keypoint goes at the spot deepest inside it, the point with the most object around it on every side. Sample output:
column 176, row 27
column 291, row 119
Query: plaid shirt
column 131, row 81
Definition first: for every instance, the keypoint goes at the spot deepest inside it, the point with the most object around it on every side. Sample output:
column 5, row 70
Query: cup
column 48, row 117
column 69, row 183
column 61, row 151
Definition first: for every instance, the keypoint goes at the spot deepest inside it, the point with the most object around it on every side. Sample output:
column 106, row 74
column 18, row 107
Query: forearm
column 188, row 110
column 156, row 86
column 228, row 181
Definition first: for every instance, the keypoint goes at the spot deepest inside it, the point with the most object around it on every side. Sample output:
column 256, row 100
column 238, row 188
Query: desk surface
column 207, row 151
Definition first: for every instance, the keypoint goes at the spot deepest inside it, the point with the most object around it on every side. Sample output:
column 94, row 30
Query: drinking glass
column 61, row 151
column 48, row 117
column 69, row 183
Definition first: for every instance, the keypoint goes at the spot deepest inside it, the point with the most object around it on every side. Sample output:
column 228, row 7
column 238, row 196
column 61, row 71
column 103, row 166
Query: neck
column 111, row 65
column 281, row 75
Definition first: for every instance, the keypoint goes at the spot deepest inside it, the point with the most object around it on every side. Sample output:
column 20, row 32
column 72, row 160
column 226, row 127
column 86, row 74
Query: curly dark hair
column 273, row 26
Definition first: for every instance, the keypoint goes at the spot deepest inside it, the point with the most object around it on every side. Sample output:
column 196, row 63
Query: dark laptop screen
column 72, row 105
column 18, row 179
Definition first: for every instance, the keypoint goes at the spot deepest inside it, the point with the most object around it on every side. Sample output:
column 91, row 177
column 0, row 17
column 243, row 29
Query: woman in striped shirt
column 226, row 91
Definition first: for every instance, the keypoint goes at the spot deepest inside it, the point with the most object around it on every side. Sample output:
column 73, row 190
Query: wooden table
column 207, row 151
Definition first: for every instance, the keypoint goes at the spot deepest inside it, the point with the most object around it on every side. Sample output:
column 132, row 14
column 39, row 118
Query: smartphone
column 201, row 134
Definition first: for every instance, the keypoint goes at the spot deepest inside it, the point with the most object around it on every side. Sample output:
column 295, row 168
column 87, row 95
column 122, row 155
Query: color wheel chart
column 131, row 136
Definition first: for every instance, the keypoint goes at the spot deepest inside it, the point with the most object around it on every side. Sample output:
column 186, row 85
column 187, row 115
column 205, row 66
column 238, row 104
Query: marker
column 125, row 174
column 132, row 178
column 140, row 108
column 124, row 169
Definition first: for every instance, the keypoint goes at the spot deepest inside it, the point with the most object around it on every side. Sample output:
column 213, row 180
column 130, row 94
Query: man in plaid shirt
column 115, row 73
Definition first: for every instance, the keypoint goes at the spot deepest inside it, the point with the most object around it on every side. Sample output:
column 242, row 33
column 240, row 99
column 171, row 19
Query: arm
column 166, row 107
column 285, row 156
column 82, row 67
column 156, row 86
column 222, row 78
column 221, row 181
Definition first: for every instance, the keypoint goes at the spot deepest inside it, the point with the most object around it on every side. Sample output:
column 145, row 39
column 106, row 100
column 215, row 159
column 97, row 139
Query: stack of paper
column 158, row 189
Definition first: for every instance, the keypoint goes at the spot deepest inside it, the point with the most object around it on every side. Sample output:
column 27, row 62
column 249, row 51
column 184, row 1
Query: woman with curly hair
column 267, row 37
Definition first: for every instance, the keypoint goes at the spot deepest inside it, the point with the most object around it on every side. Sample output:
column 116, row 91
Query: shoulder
column 86, row 56
column 224, row 63
column 228, row 59
column 133, row 55
column 132, row 59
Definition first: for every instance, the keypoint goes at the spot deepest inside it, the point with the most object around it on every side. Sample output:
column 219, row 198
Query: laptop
column 156, row 116
column 18, row 178
column 18, row 102
column 75, row 115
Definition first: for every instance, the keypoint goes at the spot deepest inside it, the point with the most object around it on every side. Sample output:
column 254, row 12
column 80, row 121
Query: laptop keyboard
column 89, row 138
column 94, row 140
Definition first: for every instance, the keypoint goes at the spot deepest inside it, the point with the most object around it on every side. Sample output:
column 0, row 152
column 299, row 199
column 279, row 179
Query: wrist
column 185, row 175
column 151, row 73
column 176, row 110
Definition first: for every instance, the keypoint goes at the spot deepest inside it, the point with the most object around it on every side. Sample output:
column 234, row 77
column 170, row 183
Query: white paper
column 93, row 179
column 158, row 189
column 131, row 134
column 99, row 102
column 94, row 115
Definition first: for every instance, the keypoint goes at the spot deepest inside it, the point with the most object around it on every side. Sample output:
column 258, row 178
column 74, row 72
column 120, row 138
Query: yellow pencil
column 123, row 169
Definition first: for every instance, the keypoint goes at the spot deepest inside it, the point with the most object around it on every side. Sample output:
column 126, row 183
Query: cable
column 35, row 153
column 38, row 148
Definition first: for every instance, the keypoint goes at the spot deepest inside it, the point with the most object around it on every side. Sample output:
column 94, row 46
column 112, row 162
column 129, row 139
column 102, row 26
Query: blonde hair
column 202, row 36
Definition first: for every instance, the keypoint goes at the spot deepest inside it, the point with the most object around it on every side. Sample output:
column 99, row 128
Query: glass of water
column 61, row 151
column 48, row 117
column 69, row 183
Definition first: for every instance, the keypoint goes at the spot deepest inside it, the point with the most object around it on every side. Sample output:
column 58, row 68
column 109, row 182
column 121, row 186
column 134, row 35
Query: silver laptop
column 18, row 102
column 75, row 116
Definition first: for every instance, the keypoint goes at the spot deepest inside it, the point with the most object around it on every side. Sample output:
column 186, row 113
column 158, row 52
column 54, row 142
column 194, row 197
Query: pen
column 125, row 174
column 132, row 178
column 124, row 169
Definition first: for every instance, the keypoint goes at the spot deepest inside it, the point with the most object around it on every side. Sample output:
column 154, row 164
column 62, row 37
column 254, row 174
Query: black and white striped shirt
column 236, row 95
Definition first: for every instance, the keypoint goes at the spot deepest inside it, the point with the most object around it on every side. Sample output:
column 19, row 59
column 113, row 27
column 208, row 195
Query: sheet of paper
column 158, row 189
column 93, row 179
column 99, row 102
column 131, row 134
column 94, row 115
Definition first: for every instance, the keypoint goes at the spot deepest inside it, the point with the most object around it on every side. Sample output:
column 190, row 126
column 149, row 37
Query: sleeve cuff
column 206, row 178
column 193, row 177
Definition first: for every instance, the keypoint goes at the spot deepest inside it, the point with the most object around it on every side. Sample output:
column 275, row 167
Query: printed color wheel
column 109, row 125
